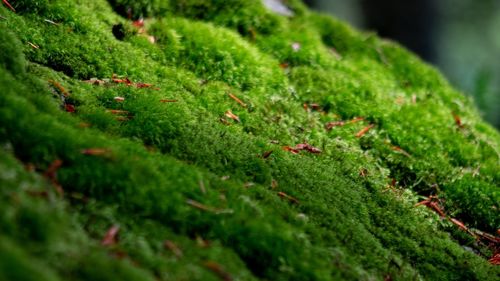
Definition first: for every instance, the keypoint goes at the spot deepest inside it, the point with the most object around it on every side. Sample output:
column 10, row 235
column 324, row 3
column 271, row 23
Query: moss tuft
column 225, row 141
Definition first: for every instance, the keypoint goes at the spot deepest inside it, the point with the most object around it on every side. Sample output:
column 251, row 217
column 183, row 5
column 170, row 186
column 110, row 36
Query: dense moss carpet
column 222, row 140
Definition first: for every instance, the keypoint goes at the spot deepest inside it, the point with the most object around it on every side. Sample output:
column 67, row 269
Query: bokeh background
column 460, row 37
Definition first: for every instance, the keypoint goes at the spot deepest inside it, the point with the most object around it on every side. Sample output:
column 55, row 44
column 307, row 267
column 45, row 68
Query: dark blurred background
column 460, row 37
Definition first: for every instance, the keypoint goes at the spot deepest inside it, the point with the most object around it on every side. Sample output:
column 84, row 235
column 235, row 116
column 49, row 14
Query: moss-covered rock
column 222, row 140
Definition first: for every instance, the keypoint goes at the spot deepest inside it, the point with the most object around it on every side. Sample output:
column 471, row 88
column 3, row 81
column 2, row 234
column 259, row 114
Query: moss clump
column 174, row 132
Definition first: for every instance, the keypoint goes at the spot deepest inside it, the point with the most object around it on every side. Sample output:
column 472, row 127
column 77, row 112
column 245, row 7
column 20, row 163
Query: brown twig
column 231, row 115
column 363, row 131
column 288, row 197
column 9, row 5
column 237, row 100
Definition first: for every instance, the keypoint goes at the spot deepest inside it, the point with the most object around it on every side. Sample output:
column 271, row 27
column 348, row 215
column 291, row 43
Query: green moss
column 224, row 191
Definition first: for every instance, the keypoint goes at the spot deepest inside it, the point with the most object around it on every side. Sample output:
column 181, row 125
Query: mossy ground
column 186, row 173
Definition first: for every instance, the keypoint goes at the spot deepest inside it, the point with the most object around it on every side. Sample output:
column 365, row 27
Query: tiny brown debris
column 9, row 5
column 284, row 65
column 95, row 81
column 117, row 80
column 59, row 87
column 122, row 115
column 290, row 149
column 307, row 147
column 235, row 98
column 202, row 242
column 330, row 125
column 486, row 236
column 117, row 111
column 363, row 172
column 356, row 120
column 138, row 23
column 111, row 236
column 95, row 151
column 200, row 206
column 400, row 150
column 122, row 118
column 363, row 131
column 460, row 224
column 218, row 270
column 495, row 259
column 168, row 100
column 288, row 197
column 224, row 121
column 315, row 106
column 51, row 175
column 84, row 125
column 399, row 100
column 33, row 45
column 266, row 154
column 143, row 85
column 432, row 203
column 50, row 21
column 38, row 193
column 30, row 167
column 173, row 247
column 69, row 108
column 458, row 120
column 119, row 99
column 231, row 115
column 274, row 184
column 248, row 184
